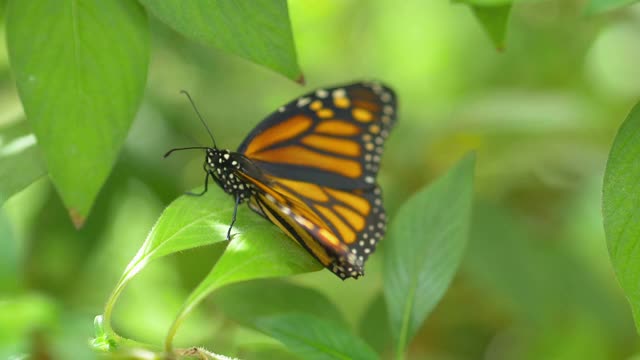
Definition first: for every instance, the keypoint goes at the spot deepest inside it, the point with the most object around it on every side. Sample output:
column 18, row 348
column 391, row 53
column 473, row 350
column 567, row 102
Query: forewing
column 331, row 137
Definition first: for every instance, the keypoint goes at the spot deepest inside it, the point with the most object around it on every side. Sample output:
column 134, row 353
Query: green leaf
column 257, row 250
column 487, row 3
column 313, row 338
column 423, row 248
column 494, row 20
column 80, row 67
column 621, row 208
column 188, row 222
column 20, row 162
column 11, row 258
column 257, row 30
column 374, row 326
column 599, row 6
column 502, row 259
column 25, row 314
column 276, row 297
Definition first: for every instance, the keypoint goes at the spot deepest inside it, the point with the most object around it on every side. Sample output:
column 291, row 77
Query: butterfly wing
column 318, row 158
column 340, row 228
column 333, row 137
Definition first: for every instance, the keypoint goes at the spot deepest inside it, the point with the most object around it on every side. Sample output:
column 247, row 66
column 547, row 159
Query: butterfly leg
column 233, row 220
column 206, row 185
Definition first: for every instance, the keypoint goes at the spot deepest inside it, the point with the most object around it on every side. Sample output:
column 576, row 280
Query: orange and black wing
column 332, row 137
column 340, row 228
column 318, row 158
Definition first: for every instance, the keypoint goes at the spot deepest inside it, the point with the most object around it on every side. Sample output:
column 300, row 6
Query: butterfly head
column 225, row 166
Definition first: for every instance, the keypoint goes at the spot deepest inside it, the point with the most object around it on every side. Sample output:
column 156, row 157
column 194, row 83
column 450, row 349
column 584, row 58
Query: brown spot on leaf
column 300, row 80
column 77, row 218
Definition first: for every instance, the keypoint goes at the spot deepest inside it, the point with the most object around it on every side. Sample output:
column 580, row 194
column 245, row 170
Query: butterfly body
column 311, row 167
column 225, row 168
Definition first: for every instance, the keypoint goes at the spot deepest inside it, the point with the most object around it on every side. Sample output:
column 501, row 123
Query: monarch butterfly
column 310, row 168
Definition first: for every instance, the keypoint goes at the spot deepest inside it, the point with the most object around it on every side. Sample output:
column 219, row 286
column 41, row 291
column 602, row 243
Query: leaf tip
column 77, row 218
column 300, row 80
column 470, row 156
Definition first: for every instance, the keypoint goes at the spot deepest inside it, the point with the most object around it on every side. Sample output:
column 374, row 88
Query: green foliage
column 423, row 249
column 257, row 250
column 374, row 325
column 80, row 67
column 313, row 338
column 10, row 257
column 535, row 281
column 493, row 16
column 22, row 315
column 276, row 297
column 257, row 30
column 494, row 19
column 262, row 251
column 488, row 2
column 20, row 163
column 186, row 223
column 621, row 208
column 598, row 6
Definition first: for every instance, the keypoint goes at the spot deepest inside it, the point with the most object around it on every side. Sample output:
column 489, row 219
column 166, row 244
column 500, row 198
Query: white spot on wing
column 339, row 93
column 303, row 101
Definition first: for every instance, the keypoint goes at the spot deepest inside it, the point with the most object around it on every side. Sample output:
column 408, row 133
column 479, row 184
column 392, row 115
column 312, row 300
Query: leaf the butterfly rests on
column 311, row 167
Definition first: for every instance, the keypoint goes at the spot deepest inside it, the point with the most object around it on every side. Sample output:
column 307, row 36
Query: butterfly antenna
column 184, row 148
column 193, row 104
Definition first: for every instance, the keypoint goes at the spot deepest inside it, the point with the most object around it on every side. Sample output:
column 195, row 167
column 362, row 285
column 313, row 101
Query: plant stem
column 168, row 342
column 108, row 309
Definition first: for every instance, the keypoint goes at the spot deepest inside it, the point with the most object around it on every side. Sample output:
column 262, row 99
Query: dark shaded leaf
column 315, row 339
column 276, row 297
column 598, row 6
column 424, row 246
column 621, row 208
column 257, row 30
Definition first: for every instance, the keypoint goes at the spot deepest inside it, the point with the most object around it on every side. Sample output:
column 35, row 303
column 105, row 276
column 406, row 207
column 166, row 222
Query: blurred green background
column 541, row 114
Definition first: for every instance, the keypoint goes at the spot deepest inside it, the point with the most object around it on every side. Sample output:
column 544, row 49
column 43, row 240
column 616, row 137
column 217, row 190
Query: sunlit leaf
column 80, row 67
column 424, row 246
column 276, row 297
column 20, row 162
column 257, row 250
column 23, row 315
column 621, row 208
column 311, row 337
column 188, row 222
column 148, row 320
column 598, row 6
column 258, row 30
